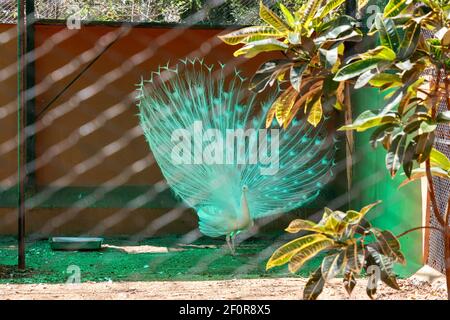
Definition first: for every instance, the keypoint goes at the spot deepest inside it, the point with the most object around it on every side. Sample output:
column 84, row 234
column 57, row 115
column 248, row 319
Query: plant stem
column 432, row 194
column 447, row 250
column 349, row 145
column 418, row 228
column 434, row 110
column 447, row 213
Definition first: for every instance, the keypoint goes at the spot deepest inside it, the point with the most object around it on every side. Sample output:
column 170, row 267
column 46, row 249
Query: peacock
column 207, row 132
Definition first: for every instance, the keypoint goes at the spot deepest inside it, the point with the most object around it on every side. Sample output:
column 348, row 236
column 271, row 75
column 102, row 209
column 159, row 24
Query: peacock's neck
column 246, row 218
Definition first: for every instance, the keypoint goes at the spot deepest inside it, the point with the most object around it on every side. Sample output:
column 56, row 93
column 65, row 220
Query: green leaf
column 333, row 33
column 329, row 57
column 415, row 121
column 332, row 265
column 357, row 68
column 287, row 15
column 386, row 267
column 335, row 22
column 273, row 19
column 355, row 257
column 427, row 127
column 308, row 11
column 394, row 99
column 362, row 3
column 410, row 41
column 349, row 282
column 383, row 79
column 388, row 32
column 353, row 217
column 367, row 208
column 283, row 254
column 370, row 74
column 250, row 33
column 295, row 75
column 444, row 36
column 267, row 74
column 394, row 157
column 253, row 48
column 424, row 145
column 314, row 286
column 408, row 158
column 395, row 7
column 368, row 119
column 380, row 133
column 439, row 159
column 381, row 52
column 443, row 117
column 388, row 245
column 330, row 6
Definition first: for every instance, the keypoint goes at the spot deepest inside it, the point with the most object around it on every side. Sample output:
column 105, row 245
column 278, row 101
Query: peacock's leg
column 230, row 244
column 233, row 237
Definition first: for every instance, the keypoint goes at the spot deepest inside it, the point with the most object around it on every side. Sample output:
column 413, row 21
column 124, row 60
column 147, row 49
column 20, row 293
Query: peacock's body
column 208, row 136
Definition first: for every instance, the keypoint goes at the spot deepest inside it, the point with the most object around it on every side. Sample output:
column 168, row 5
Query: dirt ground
column 167, row 268
column 267, row 289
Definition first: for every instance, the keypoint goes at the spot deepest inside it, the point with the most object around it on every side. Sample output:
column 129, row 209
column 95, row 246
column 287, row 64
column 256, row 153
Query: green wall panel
column 401, row 208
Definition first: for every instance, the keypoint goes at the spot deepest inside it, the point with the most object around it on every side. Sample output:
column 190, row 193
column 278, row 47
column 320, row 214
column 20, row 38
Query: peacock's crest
column 208, row 134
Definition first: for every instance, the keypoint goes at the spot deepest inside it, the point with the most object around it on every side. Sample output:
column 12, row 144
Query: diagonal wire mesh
column 215, row 12
column 8, row 11
column 436, row 256
column 90, row 151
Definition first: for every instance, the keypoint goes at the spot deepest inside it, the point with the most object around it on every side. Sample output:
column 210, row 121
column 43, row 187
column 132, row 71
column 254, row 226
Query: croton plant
column 409, row 64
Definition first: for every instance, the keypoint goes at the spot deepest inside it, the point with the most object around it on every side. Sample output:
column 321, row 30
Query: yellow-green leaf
column 308, row 11
column 419, row 173
column 287, row 15
column 368, row 207
column 283, row 254
column 326, row 9
column 439, row 159
column 308, row 251
column 298, row 225
column 283, row 105
column 368, row 119
column 255, row 33
column 273, row 19
column 315, row 115
column 355, row 257
column 362, row 4
column 394, row 7
column 357, row 68
column 383, row 79
column 253, row 48
column 380, row 52
column 334, row 223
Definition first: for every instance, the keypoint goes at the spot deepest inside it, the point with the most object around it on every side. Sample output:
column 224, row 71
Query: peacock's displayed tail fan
column 207, row 133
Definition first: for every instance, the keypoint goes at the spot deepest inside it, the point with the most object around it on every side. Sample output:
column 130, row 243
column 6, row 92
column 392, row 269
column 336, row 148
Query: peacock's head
column 244, row 188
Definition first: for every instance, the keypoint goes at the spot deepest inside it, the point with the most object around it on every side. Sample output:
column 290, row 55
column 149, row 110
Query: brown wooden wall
column 8, row 105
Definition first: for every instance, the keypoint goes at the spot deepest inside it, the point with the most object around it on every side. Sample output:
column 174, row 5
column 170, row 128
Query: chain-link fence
column 435, row 240
column 90, row 171
column 215, row 12
column 8, row 11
